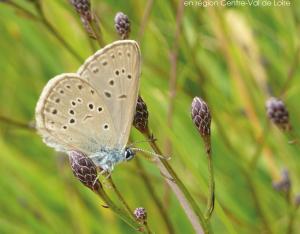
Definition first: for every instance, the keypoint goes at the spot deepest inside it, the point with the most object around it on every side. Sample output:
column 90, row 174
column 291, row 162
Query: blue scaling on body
column 106, row 158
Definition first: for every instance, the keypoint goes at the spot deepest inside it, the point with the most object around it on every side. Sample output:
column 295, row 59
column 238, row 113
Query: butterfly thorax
column 107, row 158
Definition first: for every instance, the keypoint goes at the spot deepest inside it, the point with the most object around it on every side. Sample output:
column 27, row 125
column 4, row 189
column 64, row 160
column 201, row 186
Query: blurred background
column 232, row 57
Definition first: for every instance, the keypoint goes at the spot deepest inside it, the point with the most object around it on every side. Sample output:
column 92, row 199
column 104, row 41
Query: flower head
column 201, row 118
column 140, row 120
column 140, row 214
column 84, row 169
column 278, row 113
column 83, row 8
column 122, row 25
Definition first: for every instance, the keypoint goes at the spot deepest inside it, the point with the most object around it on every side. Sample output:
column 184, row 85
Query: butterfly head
column 129, row 154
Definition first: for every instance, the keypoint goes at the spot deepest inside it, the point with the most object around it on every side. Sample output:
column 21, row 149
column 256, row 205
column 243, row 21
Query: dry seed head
column 140, row 120
column 140, row 214
column 201, row 117
column 278, row 113
column 84, row 169
column 122, row 25
column 83, row 8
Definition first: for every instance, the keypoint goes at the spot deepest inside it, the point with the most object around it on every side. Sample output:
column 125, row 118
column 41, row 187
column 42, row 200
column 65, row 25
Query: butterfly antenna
column 151, row 153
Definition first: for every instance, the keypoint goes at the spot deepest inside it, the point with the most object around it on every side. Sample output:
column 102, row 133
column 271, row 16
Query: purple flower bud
column 122, row 25
column 140, row 120
column 278, row 113
column 84, row 169
column 83, row 8
column 201, row 117
column 140, row 214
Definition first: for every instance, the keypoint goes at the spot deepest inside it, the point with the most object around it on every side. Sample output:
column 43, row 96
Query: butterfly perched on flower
column 91, row 111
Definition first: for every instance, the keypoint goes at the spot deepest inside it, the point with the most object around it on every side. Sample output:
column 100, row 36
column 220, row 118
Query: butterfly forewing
column 114, row 72
column 71, row 115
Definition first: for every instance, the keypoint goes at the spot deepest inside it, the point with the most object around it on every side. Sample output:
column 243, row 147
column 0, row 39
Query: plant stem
column 261, row 143
column 16, row 123
column 147, row 227
column 146, row 14
column 120, row 212
column 94, row 23
column 125, row 204
column 291, row 73
column 267, row 228
column 211, row 182
column 42, row 19
column 54, row 32
column 173, row 74
column 291, row 220
column 62, row 40
column 120, row 197
column 246, row 172
column 186, row 200
column 156, row 200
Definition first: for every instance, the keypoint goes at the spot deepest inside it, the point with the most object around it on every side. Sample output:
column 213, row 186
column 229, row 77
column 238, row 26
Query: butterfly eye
column 129, row 154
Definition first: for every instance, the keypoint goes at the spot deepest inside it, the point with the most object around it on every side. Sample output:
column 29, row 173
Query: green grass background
column 232, row 57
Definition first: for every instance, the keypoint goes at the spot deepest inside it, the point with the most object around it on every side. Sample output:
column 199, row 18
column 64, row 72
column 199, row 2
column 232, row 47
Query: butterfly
column 92, row 110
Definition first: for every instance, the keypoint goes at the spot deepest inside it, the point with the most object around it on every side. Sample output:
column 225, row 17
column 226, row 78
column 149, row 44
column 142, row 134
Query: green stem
column 291, row 73
column 186, row 200
column 62, row 40
column 259, row 210
column 120, row 212
column 152, row 193
column 211, row 181
column 261, row 143
column 42, row 19
column 120, row 197
column 147, row 228
column 291, row 220
column 125, row 204
column 97, row 30
column 18, row 124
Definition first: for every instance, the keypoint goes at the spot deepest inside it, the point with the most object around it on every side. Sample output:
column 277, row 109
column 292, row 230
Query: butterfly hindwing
column 114, row 71
column 71, row 115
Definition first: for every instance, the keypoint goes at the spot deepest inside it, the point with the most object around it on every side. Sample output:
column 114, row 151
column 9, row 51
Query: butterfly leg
column 152, row 138
column 96, row 179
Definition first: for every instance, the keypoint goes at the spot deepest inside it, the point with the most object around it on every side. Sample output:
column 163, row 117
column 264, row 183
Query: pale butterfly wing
column 114, row 71
column 71, row 115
